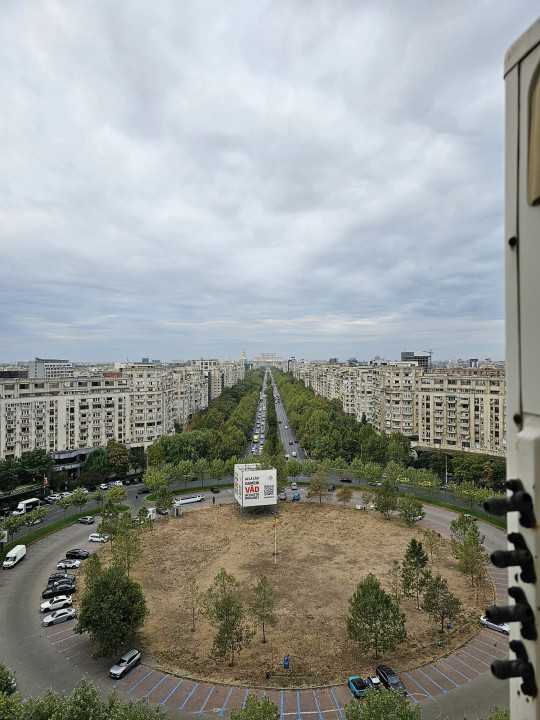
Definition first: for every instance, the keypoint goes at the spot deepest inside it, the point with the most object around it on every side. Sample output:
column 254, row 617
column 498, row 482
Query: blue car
column 357, row 686
column 296, row 496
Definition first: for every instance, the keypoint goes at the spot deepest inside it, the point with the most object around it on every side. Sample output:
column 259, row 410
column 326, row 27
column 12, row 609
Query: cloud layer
column 312, row 179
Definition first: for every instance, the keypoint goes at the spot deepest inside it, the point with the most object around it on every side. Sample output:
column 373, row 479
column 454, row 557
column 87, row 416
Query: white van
column 14, row 555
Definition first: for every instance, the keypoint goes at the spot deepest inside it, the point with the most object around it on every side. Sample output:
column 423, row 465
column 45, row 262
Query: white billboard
column 254, row 487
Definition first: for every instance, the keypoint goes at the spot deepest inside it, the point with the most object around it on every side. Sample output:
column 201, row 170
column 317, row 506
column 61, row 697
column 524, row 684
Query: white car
column 294, row 486
column 500, row 627
column 103, row 486
column 59, row 616
column 68, row 564
column 97, row 537
column 55, row 603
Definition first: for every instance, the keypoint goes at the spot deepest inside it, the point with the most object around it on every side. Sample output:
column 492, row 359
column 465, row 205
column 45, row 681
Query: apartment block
column 456, row 409
column 75, row 414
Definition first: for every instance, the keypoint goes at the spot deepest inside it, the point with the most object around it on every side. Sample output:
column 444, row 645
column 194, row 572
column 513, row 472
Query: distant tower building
column 243, row 357
column 421, row 360
column 473, row 362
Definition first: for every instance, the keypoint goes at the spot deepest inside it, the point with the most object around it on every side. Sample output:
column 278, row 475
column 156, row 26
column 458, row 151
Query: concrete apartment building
column 136, row 404
column 40, row 368
column 457, row 409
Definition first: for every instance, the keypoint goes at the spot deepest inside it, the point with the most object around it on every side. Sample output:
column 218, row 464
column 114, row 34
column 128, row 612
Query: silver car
column 124, row 664
column 59, row 616
column 500, row 627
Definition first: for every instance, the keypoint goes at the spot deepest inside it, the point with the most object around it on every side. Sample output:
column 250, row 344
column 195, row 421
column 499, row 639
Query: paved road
column 454, row 685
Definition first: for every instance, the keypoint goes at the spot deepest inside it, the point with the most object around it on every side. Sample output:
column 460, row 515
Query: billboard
column 254, row 487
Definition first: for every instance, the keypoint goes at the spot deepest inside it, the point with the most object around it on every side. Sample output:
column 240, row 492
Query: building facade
column 450, row 409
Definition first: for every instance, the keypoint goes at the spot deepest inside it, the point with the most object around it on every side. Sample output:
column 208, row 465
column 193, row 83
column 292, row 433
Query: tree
column 34, row 466
column 164, row 498
column 127, row 544
column 79, row 498
column 318, row 487
column 224, row 609
column 92, row 569
column 433, row 543
column 111, row 610
column 118, row 458
column 414, row 576
column 468, row 493
column 374, row 621
column 97, row 462
column 472, row 557
column 394, row 575
column 263, row 602
column 459, row 529
column 382, row 706
column 64, row 503
column 344, row 494
column 386, row 498
column 8, row 684
column 439, row 601
column 84, row 703
column 372, row 472
column 410, row 509
column 116, row 494
column 255, row 709
column 35, row 516
column 99, row 497
column 192, row 598
column 9, row 474
column 156, row 455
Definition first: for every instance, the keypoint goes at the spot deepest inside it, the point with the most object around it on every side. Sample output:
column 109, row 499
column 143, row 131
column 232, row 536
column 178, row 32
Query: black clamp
column 520, row 612
column 520, row 667
column 520, row 556
column 519, row 500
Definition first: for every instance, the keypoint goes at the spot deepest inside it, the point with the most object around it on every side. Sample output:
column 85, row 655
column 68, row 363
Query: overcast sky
column 317, row 178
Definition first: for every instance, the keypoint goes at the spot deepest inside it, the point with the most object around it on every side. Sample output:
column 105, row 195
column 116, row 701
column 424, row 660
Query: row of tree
column 226, row 609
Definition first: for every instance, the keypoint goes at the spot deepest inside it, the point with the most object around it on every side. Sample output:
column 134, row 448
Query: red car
column 347, row 479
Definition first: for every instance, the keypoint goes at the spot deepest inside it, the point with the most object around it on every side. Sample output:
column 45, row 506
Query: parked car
column 124, row 664
column 98, row 537
column 53, row 497
column 115, row 483
column 347, row 479
column 470, row 517
column 77, row 554
column 214, row 489
column 373, row 682
column 294, row 485
column 143, row 491
column 282, row 496
column 331, row 488
column 357, row 686
column 59, row 616
column 55, row 603
column 296, row 496
column 86, row 520
column 60, row 577
column 389, row 679
column 499, row 627
column 65, row 588
column 103, row 486
column 68, row 564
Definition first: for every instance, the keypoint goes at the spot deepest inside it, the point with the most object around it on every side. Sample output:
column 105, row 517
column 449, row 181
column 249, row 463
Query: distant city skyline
column 323, row 179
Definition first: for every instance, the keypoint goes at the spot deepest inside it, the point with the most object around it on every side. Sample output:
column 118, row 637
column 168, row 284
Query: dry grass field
column 323, row 552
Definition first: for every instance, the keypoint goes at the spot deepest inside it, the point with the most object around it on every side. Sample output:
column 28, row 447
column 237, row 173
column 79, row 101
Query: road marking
column 317, row 704
column 475, row 658
column 456, row 671
column 337, row 704
column 207, row 698
column 226, row 701
column 466, row 664
column 140, row 681
column 430, row 679
column 417, row 683
column 181, row 707
column 174, row 688
column 155, row 686
column 298, row 705
column 444, row 676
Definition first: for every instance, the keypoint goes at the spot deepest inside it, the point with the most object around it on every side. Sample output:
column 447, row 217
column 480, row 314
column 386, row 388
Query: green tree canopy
column 410, row 509
column 224, row 609
column 413, row 571
column 262, row 605
column 374, row 621
column 111, row 610
column 382, row 706
column 318, row 487
column 439, row 601
column 255, row 709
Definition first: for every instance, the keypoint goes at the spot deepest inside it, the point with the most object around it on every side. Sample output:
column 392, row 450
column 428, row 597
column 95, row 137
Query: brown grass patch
column 323, row 552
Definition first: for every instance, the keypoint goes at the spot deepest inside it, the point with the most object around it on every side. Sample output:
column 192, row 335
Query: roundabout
column 58, row 657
